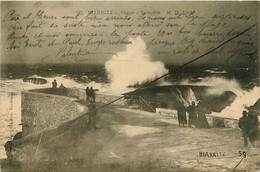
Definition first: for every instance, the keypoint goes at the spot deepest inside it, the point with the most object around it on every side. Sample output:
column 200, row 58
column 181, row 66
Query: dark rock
column 35, row 80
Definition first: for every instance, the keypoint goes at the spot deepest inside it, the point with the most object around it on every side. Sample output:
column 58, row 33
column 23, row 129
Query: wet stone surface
column 133, row 140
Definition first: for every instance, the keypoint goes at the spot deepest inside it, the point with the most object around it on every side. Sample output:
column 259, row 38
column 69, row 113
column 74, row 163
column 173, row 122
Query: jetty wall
column 41, row 111
column 45, row 108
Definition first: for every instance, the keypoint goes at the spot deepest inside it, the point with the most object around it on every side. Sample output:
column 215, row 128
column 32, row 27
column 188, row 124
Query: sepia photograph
column 130, row 86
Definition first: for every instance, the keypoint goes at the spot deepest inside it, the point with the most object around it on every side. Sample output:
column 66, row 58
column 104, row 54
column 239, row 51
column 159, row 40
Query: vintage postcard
column 130, row 86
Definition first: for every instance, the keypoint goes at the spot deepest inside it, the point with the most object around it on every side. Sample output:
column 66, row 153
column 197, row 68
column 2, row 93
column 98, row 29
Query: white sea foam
column 219, row 85
column 133, row 66
column 244, row 99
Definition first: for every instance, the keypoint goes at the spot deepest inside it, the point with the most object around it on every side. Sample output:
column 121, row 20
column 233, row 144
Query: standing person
column 192, row 114
column 92, row 115
column 181, row 115
column 62, row 89
column 253, row 133
column 9, row 150
column 87, row 93
column 54, row 84
column 92, row 94
column 202, row 121
column 244, row 126
column 62, row 86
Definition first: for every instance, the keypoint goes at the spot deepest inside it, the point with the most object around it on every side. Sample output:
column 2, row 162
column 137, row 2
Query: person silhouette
column 54, row 84
column 92, row 115
column 244, row 126
column 61, row 85
column 192, row 114
column 87, row 93
column 92, row 94
column 181, row 112
column 202, row 110
column 253, row 132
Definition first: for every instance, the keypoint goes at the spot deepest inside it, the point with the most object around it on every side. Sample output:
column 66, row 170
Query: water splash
column 133, row 66
column 244, row 99
column 191, row 97
column 219, row 85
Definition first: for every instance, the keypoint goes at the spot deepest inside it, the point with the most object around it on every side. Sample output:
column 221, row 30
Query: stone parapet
column 41, row 111
column 214, row 121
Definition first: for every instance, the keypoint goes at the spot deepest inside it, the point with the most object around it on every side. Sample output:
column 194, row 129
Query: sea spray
column 188, row 99
column 133, row 66
column 191, row 97
column 244, row 99
column 219, row 85
column 182, row 99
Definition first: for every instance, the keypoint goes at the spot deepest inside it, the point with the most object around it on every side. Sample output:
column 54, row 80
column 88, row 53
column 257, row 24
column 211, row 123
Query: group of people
column 196, row 115
column 54, row 84
column 59, row 91
column 90, row 93
column 248, row 123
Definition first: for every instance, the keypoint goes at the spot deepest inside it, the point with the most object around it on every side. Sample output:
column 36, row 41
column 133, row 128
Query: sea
column 241, row 80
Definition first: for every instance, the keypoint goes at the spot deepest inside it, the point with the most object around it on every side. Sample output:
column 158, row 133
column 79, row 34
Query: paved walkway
column 134, row 140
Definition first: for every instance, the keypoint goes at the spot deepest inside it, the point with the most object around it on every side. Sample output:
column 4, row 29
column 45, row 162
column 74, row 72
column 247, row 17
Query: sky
column 93, row 32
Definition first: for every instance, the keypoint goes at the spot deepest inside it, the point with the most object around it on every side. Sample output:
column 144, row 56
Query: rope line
column 163, row 76
column 36, row 152
column 110, row 102
column 240, row 160
column 24, row 149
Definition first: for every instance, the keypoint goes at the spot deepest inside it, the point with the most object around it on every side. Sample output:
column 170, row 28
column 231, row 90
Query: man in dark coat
column 92, row 115
column 181, row 112
column 8, row 150
column 253, row 133
column 87, row 93
column 244, row 126
column 192, row 114
column 54, row 84
column 92, row 94
column 202, row 110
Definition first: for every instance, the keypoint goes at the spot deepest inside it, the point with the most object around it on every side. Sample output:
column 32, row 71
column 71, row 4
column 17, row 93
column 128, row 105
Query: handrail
column 147, row 103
